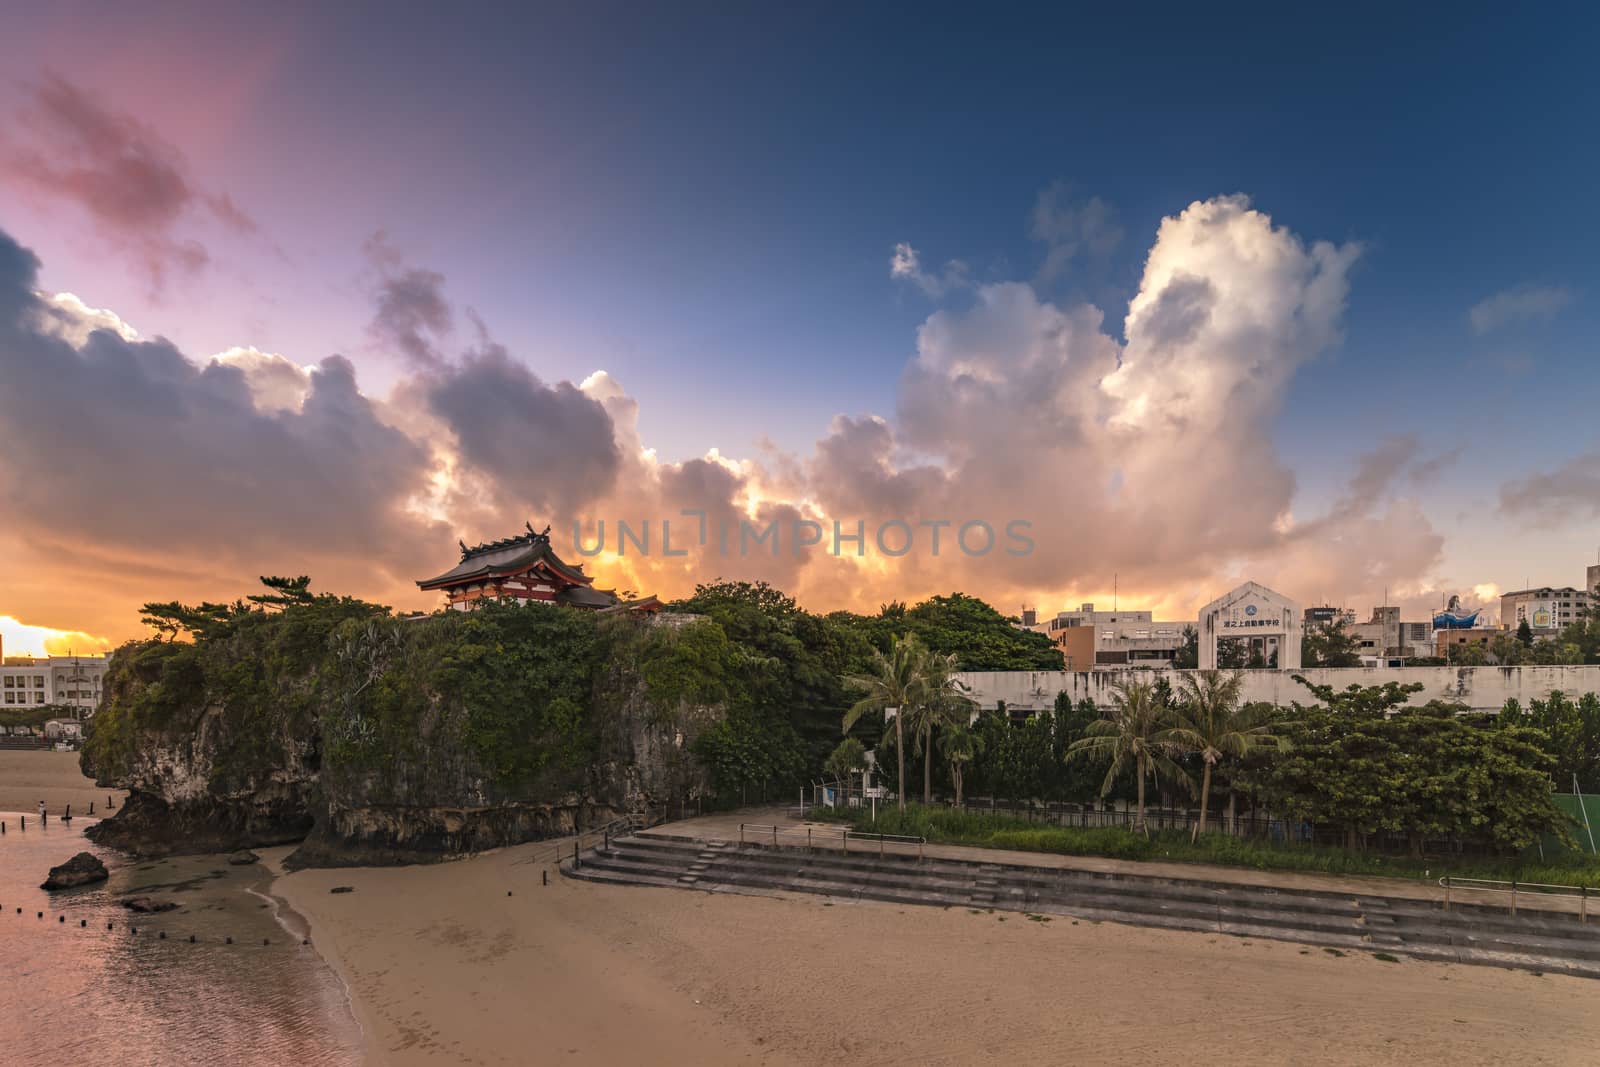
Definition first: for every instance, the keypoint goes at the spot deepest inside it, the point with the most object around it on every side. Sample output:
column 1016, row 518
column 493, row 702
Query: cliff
column 379, row 740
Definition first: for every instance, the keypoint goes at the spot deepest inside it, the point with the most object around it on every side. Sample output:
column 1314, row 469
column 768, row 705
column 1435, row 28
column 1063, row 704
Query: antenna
column 1113, row 591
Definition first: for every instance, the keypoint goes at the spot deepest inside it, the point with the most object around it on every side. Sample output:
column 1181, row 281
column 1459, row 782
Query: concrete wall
column 1480, row 688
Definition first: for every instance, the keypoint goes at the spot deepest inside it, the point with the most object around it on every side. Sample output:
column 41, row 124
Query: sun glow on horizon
column 18, row 638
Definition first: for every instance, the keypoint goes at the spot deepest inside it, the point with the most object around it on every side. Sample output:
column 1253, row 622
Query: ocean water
column 74, row 994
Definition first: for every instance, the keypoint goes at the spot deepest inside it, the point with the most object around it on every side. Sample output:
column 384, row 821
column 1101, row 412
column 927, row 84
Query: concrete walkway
column 725, row 827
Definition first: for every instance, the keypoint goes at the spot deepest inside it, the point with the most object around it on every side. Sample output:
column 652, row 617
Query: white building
column 1269, row 622
column 71, row 681
column 1547, row 611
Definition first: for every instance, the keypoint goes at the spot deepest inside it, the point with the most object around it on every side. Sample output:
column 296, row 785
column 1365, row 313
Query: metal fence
column 813, row 837
column 1455, row 889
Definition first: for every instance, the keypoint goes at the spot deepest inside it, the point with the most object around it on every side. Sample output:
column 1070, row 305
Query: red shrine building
column 525, row 568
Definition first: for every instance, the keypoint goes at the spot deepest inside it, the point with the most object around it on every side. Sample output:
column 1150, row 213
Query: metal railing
column 758, row 833
column 1452, row 885
column 572, row 848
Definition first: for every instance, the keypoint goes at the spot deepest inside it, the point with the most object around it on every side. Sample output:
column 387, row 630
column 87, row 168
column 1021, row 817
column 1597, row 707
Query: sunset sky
column 1199, row 296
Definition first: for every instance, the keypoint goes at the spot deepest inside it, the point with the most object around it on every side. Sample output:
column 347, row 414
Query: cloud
column 1149, row 459
column 1069, row 229
column 547, row 449
column 66, row 316
column 412, row 313
column 906, row 265
column 133, row 185
column 1526, row 302
column 1571, row 491
column 125, row 454
column 276, row 382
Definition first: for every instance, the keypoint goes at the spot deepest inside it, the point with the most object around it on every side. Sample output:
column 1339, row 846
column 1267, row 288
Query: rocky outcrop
column 83, row 869
column 148, row 905
column 354, row 743
column 243, row 858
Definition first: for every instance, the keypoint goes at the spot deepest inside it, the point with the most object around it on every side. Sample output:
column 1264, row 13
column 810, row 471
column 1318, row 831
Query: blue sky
column 704, row 202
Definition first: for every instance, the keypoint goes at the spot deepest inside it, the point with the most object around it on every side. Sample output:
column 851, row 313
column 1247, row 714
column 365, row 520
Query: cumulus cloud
column 66, row 316
column 1148, row 458
column 132, row 184
column 126, row 455
column 1526, row 302
column 276, row 382
column 905, row 264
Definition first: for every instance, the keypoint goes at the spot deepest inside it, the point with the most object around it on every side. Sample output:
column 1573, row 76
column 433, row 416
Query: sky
column 1196, row 295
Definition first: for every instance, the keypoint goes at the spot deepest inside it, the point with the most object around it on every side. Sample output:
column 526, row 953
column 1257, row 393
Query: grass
column 993, row 830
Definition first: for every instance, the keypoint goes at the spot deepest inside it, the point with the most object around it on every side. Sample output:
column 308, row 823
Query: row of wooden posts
column 44, row 818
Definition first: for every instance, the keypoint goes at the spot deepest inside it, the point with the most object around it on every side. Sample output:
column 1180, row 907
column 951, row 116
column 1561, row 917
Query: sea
column 83, row 980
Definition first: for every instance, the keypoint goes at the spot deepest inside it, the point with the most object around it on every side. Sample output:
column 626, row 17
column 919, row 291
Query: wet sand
column 28, row 776
column 444, row 967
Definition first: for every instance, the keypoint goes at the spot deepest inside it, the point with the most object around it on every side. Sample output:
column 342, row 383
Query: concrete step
column 1361, row 922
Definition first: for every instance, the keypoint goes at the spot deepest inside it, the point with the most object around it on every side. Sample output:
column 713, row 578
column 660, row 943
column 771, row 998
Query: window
column 11, row 698
column 10, row 681
column 38, row 698
column 38, row 681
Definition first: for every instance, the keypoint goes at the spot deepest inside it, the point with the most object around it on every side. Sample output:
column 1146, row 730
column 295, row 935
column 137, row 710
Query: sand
column 28, row 776
column 444, row 967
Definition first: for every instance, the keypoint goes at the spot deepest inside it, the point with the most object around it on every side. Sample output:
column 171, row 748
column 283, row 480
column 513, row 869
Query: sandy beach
column 444, row 967
column 28, row 776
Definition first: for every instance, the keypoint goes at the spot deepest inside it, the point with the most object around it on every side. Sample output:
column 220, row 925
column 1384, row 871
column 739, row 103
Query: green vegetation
column 980, row 638
column 1001, row 831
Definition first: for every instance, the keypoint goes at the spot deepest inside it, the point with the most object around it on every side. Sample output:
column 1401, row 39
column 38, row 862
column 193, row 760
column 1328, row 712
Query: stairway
column 1546, row 941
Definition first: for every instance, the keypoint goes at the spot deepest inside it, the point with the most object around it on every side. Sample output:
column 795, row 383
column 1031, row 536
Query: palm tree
column 960, row 745
column 942, row 703
column 1209, row 722
column 1133, row 732
column 895, row 684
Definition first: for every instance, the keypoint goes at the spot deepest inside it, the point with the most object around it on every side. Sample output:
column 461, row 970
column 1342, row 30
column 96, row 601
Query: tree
column 981, row 637
column 942, row 702
column 1187, row 658
column 1525, row 634
column 1134, row 734
column 1209, row 723
column 849, row 757
column 1332, row 645
column 285, row 591
column 960, row 745
column 895, row 684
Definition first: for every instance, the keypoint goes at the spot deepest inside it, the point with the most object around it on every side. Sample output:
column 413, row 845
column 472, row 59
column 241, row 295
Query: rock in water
column 343, row 889
column 243, row 859
column 82, row 869
column 148, row 905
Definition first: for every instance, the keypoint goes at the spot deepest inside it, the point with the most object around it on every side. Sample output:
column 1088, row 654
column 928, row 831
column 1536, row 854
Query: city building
column 1546, row 610
column 66, row 681
column 526, row 569
column 1591, row 584
column 1326, row 616
column 1385, row 636
column 1090, row 639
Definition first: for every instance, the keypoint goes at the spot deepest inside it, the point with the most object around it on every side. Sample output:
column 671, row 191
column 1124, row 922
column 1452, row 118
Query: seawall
column 1480, row 688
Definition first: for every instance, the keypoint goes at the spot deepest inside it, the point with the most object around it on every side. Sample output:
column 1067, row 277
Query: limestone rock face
column 83, row 869
column 241, row 743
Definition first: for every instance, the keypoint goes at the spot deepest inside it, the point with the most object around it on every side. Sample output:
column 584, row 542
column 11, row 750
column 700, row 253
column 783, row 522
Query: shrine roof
column 508, row 556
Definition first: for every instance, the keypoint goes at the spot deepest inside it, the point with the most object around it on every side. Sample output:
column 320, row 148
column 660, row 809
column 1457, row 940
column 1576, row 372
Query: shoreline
column 272, row 864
